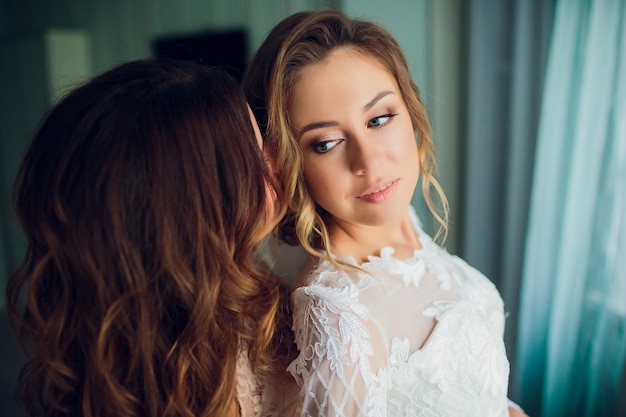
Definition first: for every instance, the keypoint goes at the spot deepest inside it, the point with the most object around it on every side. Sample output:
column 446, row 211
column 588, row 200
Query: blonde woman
column 387, row 323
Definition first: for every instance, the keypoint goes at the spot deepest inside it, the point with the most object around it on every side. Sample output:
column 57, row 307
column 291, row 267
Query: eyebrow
column 376, row 99
column 332, row 123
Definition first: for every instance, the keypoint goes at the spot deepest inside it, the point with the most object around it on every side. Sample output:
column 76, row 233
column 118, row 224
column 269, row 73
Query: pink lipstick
column 379, row 192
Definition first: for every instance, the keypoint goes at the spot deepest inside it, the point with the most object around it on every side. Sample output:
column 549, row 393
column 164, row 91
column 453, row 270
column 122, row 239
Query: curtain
column 572, row 321
column 505, row 47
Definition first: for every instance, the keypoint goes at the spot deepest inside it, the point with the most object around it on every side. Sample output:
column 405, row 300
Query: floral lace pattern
column 263, row 395
column 249, row 389
column 415, row 337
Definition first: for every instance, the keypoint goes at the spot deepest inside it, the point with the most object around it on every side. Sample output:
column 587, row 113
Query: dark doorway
column 225, row 49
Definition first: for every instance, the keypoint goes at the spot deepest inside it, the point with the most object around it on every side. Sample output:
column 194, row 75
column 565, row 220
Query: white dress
column 263, row 395
column 415, row 337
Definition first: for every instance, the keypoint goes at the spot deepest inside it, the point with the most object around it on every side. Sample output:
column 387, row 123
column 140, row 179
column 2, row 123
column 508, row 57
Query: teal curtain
column 571, row 345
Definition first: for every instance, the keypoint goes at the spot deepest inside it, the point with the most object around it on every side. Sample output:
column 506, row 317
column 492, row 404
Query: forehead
column 346, row 75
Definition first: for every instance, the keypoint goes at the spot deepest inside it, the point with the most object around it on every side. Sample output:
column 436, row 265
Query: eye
column 325, row 145
column 380, row 121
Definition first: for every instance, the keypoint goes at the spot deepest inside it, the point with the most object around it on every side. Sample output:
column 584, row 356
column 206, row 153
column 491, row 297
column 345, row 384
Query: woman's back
column 143, row 196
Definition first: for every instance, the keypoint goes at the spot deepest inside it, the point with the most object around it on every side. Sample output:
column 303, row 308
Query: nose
column 364, row 153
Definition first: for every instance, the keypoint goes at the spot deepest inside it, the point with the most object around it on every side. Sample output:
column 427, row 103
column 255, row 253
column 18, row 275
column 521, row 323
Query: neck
column 361, row 241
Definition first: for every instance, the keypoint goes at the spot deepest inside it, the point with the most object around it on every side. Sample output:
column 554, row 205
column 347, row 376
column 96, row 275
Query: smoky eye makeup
column 321, row 142
column 381, row 120
column 324, row 146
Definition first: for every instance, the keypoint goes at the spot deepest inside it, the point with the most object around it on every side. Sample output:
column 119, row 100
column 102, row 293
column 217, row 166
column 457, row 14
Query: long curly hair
column 306, row 38
column 141, row 197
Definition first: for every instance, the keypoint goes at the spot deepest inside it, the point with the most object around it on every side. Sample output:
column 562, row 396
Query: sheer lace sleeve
column 335, row 366
column 414, row 336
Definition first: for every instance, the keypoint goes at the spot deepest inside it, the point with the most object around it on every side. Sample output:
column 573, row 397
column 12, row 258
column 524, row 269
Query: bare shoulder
column 515, row 412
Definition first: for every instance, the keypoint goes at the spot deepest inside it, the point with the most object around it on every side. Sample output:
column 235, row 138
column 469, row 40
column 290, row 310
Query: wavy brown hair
column 307, row 38
column 141, row 197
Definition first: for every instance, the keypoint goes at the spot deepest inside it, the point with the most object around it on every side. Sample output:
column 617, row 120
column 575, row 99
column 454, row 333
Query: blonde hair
column 307, row 38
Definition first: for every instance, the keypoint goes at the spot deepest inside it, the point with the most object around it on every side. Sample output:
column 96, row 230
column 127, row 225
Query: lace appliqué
column 411, row 270
column 331, row 331
column 468, row 378
column 359, row 353
column 249, row 390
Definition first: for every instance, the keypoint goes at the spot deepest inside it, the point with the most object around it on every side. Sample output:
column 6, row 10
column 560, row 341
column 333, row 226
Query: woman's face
column 360, row 157
column 272, row 216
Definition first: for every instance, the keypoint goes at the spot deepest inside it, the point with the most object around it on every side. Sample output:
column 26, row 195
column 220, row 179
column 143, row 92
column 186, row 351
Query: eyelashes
column 380, row 121
column 326, row 145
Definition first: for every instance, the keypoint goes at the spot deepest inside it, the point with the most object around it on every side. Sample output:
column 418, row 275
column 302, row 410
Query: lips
column 380, row 191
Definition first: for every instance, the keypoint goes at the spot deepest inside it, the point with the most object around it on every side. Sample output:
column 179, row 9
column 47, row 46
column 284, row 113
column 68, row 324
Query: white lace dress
column 263, row 395
column 415, row 337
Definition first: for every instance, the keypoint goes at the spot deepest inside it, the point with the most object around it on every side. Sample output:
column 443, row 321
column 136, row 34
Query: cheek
column 412, row 151
column 405, row 129
column 320, row 183
column 407, row 148
column 413, row 162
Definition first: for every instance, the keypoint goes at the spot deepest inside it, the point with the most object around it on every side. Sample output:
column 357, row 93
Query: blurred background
column 527, row 100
